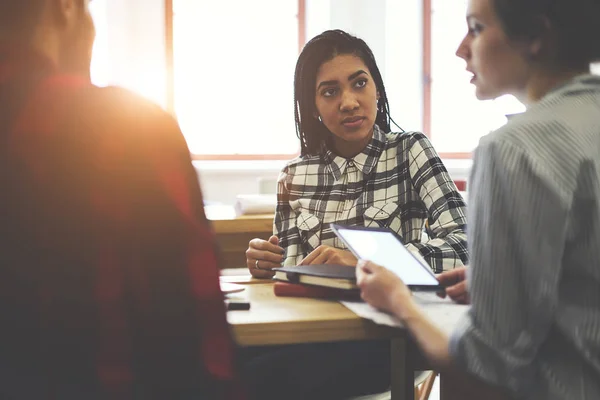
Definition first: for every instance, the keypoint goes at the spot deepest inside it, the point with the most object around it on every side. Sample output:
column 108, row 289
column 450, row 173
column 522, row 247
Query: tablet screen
column 383, row 248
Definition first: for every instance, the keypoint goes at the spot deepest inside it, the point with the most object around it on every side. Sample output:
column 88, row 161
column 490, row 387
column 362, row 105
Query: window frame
column 427, row 80
column 170, row 83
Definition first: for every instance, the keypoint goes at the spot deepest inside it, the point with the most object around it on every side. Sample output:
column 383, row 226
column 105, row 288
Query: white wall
column 223, row 181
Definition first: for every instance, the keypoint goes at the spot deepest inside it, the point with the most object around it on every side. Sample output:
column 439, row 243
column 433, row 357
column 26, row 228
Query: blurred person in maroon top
column 109, row 283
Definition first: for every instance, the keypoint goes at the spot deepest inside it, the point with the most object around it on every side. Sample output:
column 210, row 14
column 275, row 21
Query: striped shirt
column 397, row 181
column 534, row 325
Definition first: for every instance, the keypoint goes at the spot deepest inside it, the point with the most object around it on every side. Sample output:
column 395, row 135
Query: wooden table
column 274, row 320
column 234, row 233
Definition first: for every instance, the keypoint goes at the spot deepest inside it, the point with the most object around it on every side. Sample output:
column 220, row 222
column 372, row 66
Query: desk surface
column 287, row 320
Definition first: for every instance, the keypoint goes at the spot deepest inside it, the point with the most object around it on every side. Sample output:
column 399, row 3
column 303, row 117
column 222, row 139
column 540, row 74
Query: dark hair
column 571, row 26
column 311, row 132
column 18, row 18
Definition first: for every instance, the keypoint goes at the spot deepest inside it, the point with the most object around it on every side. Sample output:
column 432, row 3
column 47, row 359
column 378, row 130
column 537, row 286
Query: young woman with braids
column 354, row 171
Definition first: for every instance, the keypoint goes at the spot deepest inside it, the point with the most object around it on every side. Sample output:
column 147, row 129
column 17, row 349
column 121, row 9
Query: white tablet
column 382, row 246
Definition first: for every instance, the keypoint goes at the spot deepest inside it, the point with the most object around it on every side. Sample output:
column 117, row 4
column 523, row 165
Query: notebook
column 329, row 275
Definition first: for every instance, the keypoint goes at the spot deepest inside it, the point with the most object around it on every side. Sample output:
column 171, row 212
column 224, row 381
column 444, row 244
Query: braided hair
column 320, row 49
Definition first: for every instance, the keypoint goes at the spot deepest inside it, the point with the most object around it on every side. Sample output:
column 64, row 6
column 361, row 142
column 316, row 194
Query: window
column 100, row 68
column 234, row 66
column 129, row 50
column 457, row 119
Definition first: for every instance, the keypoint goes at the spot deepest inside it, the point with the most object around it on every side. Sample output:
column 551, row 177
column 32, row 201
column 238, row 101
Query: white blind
column 234, row 73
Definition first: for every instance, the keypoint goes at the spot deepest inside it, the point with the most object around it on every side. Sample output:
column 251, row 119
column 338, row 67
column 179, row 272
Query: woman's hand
column 262, row 256
column 329, row 255
column 455, row 282
column 382, row 289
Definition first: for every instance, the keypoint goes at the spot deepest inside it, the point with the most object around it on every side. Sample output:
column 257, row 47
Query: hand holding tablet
column 382, row 246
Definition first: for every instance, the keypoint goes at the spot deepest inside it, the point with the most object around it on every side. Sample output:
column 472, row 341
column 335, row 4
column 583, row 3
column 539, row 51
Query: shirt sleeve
column 446, row 209
column 517, row 235
column 284, row 224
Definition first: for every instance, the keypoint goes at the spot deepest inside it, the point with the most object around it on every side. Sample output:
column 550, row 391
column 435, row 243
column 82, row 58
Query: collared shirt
column 109, row 285
column 534, row 235
column 398, row 181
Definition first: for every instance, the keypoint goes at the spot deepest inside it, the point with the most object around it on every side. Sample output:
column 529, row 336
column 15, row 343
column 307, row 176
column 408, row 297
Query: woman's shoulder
column 535, row 130
column 411, row 144
column 406, row 139
column 542, row 144
column 563, row 121
column 302, row 161
column 300, row 165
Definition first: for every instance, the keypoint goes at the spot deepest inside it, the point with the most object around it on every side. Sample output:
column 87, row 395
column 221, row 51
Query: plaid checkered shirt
column 398, row 181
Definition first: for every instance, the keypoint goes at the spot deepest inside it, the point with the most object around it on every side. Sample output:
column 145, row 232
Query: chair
column 461, row 185
column 423, row 389
column 423, row 385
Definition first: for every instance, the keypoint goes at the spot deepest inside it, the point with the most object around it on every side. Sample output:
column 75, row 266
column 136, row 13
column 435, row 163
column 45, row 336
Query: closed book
column 329, row 275
column 286, row 289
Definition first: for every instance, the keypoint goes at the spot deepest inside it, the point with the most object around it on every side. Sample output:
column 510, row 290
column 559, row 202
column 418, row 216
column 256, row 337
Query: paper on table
column 442, row 312
column 366, row 311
